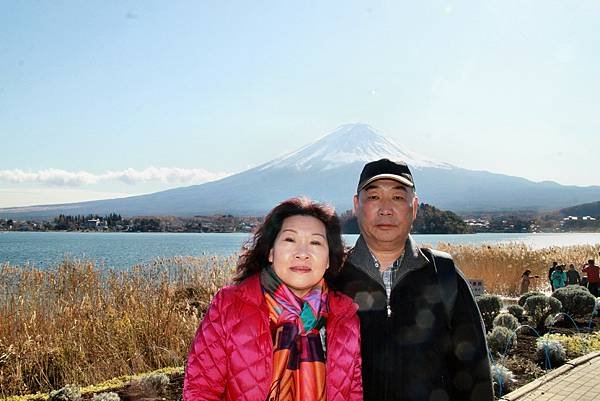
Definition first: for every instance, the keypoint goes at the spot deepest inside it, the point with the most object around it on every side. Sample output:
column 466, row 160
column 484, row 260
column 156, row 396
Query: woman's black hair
column 256, row 255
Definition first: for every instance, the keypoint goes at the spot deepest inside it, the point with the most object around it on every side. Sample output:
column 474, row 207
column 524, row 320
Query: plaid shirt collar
column 389, row 274
column 362, row 258
column 394, row 267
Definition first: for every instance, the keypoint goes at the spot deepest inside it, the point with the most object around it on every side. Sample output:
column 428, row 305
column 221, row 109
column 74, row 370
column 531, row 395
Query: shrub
column 499, row 338
column 489, row 307
column 106, row 397
column 578, row 345
column 523, row 298
column 504, row 380
column 152, row 386
column 67, row 393
column 506, row 320
column 517, row 311
column 551, row 353
column 575, row 299
column 539, row 308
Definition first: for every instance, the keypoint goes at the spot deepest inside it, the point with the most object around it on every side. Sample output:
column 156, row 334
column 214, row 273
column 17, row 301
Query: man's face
column 385, row 210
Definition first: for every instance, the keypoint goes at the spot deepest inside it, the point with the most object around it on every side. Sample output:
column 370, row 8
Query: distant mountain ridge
column 328, row 170
column 587, row 209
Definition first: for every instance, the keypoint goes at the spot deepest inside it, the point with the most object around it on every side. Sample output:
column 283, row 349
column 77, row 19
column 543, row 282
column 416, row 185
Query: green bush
column 489, row 307
column 106, row 397
column 154, row 384
column 504, row 379
column 523, row 298
column 539, row 308
column 517, row 311
column 499, row 338
column 67, row 393
column 506, row 320
column 575, row 299
column 550, row 353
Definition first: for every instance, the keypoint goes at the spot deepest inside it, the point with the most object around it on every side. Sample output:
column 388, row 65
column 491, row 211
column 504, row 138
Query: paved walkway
column 578, row 379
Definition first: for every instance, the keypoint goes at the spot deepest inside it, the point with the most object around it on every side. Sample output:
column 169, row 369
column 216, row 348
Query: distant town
column 116, row 223
column 430, row 220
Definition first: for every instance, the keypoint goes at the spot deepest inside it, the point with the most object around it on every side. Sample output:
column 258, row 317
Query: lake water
column 44, row 249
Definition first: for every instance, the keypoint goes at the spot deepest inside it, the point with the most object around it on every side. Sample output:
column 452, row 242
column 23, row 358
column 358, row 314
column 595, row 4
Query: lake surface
column 46, row 249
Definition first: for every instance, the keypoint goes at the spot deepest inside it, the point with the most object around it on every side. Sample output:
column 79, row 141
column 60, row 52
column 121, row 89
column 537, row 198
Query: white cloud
column 63, row 178
column 22, row 197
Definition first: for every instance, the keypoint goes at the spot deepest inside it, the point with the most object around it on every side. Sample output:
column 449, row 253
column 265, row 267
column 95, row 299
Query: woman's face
column 300, row 254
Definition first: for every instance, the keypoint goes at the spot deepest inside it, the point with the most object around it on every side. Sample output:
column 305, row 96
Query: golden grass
column 82, row 324
column 501, row 266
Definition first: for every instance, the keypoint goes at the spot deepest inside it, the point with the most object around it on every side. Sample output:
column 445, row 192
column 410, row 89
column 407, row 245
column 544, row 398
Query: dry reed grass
column 82, row 324
column 501, row 266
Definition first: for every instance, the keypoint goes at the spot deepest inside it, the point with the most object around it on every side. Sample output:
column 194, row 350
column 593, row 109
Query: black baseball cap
column 385, row 168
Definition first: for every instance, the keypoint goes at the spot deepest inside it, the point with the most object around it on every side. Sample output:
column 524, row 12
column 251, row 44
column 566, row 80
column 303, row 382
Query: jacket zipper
column 388, row 323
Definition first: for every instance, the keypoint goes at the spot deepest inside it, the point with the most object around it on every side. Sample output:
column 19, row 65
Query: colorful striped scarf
column 298, row 355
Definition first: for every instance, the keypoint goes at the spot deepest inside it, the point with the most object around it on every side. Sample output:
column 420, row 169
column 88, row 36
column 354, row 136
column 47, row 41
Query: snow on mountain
column 327, row 170
column 347, row 144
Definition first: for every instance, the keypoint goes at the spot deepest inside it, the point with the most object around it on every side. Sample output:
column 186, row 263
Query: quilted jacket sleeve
column 205, row 373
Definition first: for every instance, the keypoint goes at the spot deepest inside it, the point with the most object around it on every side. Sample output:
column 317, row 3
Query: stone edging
column 529, row 387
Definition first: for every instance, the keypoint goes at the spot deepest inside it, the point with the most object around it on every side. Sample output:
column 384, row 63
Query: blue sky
column 106, row 98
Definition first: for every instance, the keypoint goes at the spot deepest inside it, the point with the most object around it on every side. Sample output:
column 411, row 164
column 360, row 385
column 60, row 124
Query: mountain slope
column 328, row 170
column 587, row 209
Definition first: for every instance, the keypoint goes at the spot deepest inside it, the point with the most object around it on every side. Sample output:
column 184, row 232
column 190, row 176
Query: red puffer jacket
column 231, row 357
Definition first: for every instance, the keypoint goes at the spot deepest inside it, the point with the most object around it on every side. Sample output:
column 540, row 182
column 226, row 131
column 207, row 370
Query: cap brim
column 399, row 178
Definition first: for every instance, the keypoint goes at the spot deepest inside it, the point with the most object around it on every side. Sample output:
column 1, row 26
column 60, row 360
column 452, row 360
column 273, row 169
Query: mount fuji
column 328, row 170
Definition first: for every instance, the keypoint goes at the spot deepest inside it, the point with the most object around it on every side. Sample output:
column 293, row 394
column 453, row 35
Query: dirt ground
column 522, row 359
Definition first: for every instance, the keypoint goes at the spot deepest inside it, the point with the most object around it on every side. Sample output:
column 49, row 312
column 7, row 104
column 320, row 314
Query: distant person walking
column 550, row 271
column 525, row 281
column 559, row 278
column 573, row 277
column 593, row 276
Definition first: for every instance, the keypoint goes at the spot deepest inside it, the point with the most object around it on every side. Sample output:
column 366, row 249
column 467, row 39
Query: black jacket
column 421, row 352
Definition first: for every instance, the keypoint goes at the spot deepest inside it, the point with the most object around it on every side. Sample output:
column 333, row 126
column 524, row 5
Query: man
column 422, row 337
column 550, row 271
column 593, row 276
column 573, row 277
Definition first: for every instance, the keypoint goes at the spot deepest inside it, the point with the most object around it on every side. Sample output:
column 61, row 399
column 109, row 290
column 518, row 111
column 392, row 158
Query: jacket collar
column 362, row 259
column 251, row 292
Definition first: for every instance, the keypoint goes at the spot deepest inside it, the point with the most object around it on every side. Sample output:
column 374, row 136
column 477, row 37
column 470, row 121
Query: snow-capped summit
column 347, row 144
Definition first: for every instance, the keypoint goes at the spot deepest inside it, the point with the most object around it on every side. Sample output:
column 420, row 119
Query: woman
column 525, row 281
column 279, row 333
column 559, row 278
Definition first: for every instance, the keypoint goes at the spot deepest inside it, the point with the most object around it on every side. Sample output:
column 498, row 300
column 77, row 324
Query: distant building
column 95, row 224
column 480, row 223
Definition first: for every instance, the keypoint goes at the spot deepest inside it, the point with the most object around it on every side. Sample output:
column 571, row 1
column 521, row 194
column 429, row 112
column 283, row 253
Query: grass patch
column 501, row 266
column 83, row 324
